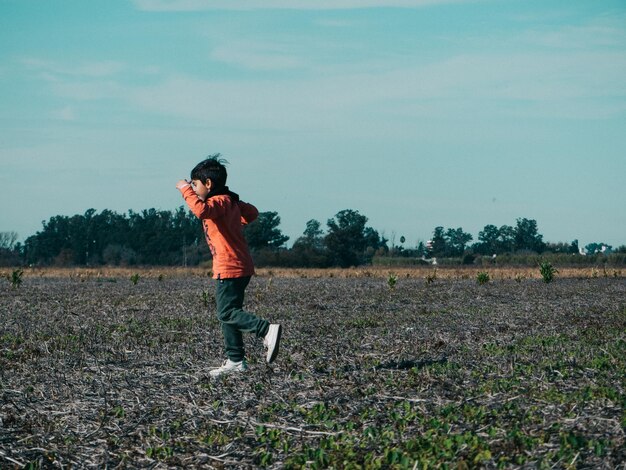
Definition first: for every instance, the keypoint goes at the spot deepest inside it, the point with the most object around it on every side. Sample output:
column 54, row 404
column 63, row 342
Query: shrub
column 547, row 271
column 16, row 278
column 482, row 278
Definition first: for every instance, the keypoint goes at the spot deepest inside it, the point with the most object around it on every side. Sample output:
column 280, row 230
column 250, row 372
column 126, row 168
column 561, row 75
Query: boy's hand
column 182, row 184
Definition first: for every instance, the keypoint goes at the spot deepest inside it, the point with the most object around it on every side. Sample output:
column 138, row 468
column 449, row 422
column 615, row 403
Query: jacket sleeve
column 249, row 213
column 201, row 209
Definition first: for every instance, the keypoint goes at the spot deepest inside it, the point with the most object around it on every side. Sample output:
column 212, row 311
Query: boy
column 223, row 216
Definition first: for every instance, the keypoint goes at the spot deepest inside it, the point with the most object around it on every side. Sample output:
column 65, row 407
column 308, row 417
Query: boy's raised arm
column 249, row 213
column 200, row 209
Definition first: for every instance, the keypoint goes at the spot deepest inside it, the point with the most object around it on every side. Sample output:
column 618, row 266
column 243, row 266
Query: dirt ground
column 433, row 371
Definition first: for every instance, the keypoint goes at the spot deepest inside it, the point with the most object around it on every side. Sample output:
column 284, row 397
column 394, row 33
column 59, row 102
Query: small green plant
column 206, row 298
column 392, row 280
column 482, row 278
column 159, row 452
column 134, row 279
column 16, row 278
column 119, row 412
column 547, row 271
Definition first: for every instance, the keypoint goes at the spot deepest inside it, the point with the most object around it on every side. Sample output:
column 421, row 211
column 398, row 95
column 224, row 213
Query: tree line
column 175, row 238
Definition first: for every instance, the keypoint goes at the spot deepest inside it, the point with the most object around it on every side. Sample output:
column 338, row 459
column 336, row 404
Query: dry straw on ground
column 97, row 371
column 423, row 272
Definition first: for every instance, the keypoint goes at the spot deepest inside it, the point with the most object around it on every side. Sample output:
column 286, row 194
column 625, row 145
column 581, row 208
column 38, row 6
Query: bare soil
column 96, row 371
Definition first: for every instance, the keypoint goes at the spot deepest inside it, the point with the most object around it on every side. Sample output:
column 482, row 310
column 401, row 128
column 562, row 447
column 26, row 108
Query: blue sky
column 416, row 113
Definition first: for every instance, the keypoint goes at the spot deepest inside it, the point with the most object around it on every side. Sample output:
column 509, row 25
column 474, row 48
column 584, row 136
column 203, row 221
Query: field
column 421, row 369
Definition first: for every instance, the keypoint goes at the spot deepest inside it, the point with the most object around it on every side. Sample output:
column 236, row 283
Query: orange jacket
column 223, row 218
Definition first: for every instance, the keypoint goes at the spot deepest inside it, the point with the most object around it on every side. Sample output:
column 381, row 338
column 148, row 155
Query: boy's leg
column 234, row 320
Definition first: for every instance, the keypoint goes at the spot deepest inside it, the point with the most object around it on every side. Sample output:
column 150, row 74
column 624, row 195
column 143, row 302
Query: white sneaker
column 271, row 341
column 229, row 367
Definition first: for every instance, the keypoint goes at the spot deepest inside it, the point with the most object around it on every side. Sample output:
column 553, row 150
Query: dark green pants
column 234, row 320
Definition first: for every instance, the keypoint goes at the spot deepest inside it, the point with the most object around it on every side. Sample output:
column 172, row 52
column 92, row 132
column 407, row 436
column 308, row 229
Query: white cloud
column 99, row 69
column 364, row 97
column 467, row 87
column 96, row 69
column 89, row 90
column 256, row 56
column 198, row 5
column 66, row 113
column 82, row 81
column 265, row 104
column 570, row 83
column 598, row 33
column 533, row 77
column 334, row 23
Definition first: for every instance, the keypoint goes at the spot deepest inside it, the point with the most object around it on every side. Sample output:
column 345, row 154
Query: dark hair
column 212, row 168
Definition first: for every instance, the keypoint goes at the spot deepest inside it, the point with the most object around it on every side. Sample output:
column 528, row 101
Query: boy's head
column 212, row 169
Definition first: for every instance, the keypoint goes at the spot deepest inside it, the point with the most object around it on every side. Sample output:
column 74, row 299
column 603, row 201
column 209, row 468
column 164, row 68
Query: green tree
column 7, row 240
column 456, row 241
column 421, row 249
column 449, row 243
column 147, row 237
column 309, row 249
column 493, row 240
column 487, row 240
column 46, row 245
column 506, row 239
column 348, row 241
column 527, row 236
column 264, row 232
column 154, row 240
column 438, row 243
column 312, row 237
column 109, row 228
column 593, row 248
column 561, row 247
column 313, row 234
column 9, row 249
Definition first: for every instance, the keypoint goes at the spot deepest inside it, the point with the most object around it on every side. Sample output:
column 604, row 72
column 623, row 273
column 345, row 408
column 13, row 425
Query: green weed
column 482, row 278
column 547, row 271
column 15, row 278
column 207, row 298
column 159, row 452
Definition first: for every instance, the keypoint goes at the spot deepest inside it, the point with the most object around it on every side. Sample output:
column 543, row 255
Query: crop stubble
column 100, row 372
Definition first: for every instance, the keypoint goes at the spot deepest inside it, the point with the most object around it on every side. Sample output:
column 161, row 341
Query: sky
column 416, row 113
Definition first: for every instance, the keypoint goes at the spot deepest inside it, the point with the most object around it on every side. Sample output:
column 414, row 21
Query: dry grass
column 420, row 272
column 100, row 372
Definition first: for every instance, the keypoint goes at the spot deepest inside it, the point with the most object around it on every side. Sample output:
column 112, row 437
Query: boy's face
column 201, row 189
